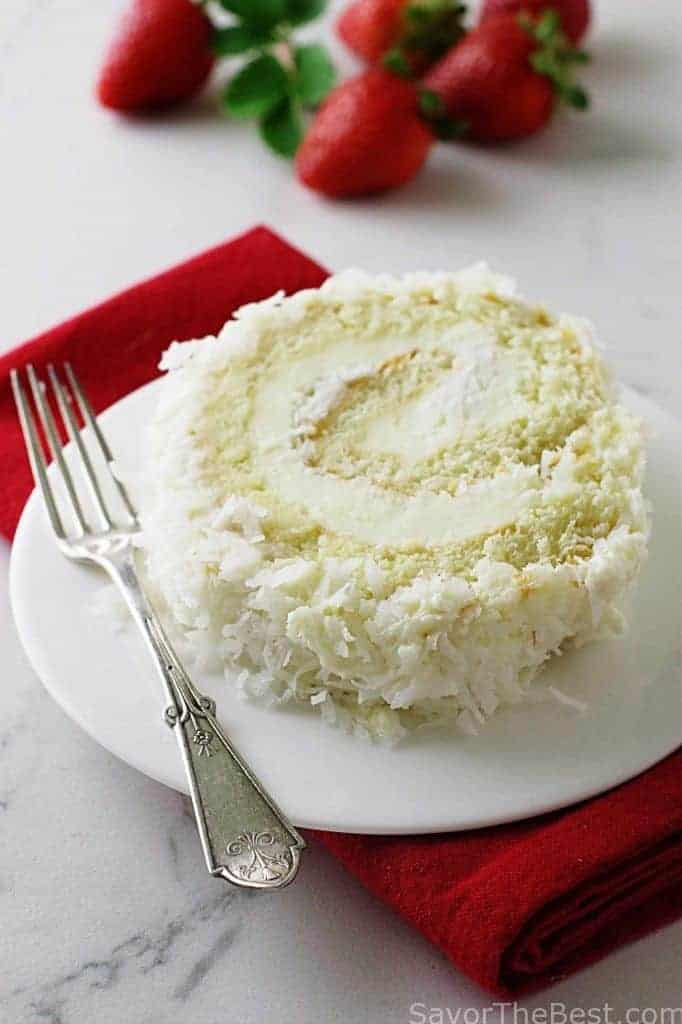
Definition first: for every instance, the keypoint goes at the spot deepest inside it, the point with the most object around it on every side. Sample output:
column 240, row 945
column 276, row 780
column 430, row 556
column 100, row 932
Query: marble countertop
column 106, row 913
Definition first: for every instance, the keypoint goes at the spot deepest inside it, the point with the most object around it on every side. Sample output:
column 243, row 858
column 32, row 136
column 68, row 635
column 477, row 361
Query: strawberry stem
column 555, row 58
column 430, row 29
column 394, row 60
column 433, row 110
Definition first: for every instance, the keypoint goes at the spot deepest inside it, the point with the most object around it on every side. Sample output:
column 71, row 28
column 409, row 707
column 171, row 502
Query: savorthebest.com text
column 555, row 1013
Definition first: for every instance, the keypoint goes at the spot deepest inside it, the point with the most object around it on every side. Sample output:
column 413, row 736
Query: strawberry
column 367, row 137
column 503, row 80
column 413, row 33
column 371, row 27
column 160, row 55
column 574, row 15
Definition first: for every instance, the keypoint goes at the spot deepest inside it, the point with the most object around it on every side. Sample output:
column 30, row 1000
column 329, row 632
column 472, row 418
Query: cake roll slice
column 393, row 498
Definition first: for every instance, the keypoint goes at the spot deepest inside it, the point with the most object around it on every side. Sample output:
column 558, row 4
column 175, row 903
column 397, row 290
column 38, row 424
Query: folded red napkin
column 515, row 906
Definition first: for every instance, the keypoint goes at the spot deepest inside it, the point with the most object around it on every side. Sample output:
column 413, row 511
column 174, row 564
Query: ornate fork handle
column 245, row 838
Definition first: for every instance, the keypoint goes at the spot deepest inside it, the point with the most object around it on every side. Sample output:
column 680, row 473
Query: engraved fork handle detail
column 245, row 838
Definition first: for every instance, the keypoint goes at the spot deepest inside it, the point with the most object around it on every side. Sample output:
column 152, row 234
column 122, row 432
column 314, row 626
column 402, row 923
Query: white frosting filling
column 479, row 389
column 368, row 513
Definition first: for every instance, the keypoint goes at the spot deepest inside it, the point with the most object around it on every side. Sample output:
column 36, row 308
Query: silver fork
column 245, row 838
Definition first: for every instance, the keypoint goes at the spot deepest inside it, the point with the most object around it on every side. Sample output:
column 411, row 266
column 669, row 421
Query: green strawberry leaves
column 315, row 74
column 282, row 128
column 277, row 94
column 257, row 88
column 279, row 80
column 281, row 13
column 555, row 58
column 301, row 11
column 227, row 42
column 257, row 12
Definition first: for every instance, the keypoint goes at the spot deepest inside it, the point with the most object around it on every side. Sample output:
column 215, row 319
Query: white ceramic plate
column 526, row 761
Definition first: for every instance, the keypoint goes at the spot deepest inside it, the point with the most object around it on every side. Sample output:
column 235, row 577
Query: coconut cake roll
column 393, row 499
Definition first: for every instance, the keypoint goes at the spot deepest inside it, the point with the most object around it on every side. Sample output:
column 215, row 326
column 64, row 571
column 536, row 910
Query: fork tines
column 71, row 402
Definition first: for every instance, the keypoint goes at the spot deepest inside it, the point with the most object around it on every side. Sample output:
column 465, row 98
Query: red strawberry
column 160, row 55
column 574, row 15
column 415, row 32
column 371, row 27
column 502, row 81
column 367, row 137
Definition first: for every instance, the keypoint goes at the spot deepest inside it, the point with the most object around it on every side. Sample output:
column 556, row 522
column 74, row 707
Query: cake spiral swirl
column 393, row 498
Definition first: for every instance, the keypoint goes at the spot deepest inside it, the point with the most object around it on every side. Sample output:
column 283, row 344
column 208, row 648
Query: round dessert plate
column 526, row 761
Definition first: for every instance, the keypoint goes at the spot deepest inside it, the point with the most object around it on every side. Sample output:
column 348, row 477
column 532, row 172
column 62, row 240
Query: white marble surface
column 105, row 913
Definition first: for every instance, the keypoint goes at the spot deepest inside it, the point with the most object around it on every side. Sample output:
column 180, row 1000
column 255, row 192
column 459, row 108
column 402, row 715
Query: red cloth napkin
column 515, row 906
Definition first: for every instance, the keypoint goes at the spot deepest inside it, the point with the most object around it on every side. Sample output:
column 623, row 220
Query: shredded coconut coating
column 393, row 499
